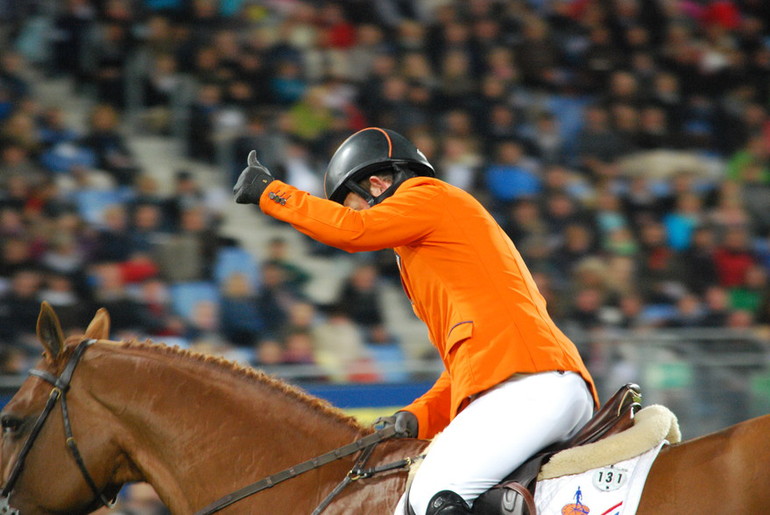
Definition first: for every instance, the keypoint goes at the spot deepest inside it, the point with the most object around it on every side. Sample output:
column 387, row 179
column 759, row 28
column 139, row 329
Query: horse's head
column 40, row 470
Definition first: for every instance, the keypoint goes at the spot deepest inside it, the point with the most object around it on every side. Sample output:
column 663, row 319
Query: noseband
column 60, row 386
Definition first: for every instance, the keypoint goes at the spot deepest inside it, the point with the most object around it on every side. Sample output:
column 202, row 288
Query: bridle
column 60, row 386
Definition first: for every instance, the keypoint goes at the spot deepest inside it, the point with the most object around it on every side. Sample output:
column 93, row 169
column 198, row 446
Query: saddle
column 515, row 494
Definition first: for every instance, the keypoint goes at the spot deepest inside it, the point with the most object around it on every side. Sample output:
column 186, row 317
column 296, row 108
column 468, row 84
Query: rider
column 513, row 382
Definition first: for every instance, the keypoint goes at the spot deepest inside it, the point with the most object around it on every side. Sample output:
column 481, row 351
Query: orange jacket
column 464, row 276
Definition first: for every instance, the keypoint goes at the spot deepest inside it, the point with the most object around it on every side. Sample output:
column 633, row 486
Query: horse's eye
column 10, row 424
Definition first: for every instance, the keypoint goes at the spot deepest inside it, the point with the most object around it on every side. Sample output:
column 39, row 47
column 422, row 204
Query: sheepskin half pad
column 652, row 425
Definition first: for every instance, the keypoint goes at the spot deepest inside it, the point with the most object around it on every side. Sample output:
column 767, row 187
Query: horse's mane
column 248, row 373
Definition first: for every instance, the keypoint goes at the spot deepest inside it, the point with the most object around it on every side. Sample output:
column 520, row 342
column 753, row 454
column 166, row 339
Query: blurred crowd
column 624, row 145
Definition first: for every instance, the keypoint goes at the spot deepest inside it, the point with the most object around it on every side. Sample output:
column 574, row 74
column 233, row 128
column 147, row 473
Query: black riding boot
column 447, row 502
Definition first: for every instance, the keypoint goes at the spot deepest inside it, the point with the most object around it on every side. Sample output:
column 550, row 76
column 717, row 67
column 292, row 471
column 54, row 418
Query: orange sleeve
column 433, row 407
column 399, row 220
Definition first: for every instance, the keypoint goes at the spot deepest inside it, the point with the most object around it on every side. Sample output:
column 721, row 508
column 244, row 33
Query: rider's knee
column 447, row 502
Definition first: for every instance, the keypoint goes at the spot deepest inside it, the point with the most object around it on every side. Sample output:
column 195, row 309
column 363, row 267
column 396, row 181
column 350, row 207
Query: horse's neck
column 191, row 427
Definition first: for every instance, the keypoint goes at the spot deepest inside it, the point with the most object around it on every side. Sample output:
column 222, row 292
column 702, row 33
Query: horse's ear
column 49, row 331
column 99, row 328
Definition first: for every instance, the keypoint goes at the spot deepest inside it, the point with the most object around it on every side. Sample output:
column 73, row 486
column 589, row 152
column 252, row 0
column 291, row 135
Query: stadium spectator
column 460, row 164
column 204, row 328
column 298, row 165
column 160, row 85
column 110, row 53
column 113, row 242
column 755, row 194
column 682, row 221
column 109, row 146
column 576, row 245
column 299, row 347
column 277, row 253
column 13, row 361
column 360, row 296
column 242, row 323
column 339, row 344
column 187, row 194
column 586, row 313
column 511, row 176
column 148, row 227
column 310, row 118
column 579, row 85
column 204, row 113
column 701, row 267
column 734, row 256
column 260, row 134
column 268, row 353
column 501, row 125
column 747, row 296
column 111, row 292
column 275, row 297
column 155, row 311
column 17, row 163
column 631, row 307
column 609, row 215
column 597, row 144
column 60, row 291
column 545, row 139
column 763, row 313
column 53, row 128
column 717, row 307
column 688, row 312
column 661, row 270
column 19, row 307
column 64, row 255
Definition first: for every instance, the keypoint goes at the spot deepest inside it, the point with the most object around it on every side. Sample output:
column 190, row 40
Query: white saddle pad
column 611, row 490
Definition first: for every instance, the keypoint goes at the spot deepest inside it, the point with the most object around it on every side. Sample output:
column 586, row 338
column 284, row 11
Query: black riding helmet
column 370, row 151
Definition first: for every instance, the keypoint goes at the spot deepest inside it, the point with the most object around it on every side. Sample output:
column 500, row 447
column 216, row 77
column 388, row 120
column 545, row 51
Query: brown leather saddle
column 515, row 494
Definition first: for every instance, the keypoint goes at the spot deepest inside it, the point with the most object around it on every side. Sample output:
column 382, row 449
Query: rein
column 60, row 386
column 365, row 444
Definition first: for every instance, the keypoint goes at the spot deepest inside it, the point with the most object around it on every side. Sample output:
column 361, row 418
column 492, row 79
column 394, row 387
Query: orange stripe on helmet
column 384, row 133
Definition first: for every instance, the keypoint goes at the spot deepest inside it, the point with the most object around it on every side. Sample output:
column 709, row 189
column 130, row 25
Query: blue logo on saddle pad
column 576, row 508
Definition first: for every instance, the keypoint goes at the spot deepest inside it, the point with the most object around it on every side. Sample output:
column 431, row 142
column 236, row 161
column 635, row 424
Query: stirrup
column 447, row 502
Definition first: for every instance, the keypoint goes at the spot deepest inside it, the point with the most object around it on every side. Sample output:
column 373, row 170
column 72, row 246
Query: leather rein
column 366, row 445
column 61, row 385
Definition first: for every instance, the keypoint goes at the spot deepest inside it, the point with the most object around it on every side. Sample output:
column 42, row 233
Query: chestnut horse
column 198, row 428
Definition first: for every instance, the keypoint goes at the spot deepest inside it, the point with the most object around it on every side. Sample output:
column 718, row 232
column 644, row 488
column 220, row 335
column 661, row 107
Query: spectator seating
column 91, row 203
column 230, row 260
column 390, row 360
column 185, row 296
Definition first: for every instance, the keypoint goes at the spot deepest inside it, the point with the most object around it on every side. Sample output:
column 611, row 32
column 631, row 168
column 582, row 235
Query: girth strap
column 291, row 472
column 349, row 477
column 357, row 472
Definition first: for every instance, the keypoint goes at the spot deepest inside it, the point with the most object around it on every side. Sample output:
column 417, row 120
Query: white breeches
column 497, row 432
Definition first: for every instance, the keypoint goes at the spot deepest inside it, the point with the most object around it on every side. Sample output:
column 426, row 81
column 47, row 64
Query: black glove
column 252, row 182
column 405, row 422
